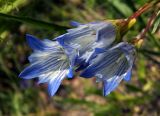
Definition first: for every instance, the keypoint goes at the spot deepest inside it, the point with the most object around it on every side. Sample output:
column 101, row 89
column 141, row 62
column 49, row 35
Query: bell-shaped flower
column 86, row 37
column 48, row 62
column 111, row 66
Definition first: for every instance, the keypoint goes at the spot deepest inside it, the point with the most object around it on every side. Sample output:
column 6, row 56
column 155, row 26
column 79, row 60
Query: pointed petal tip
column 53, row 85
column 30, row 37
column 128, row 76
column 70, row 73
column 34, row 43
column 74, row 23
column 51, row 92
column 106, row 93
column 27, row 74
column 20, row 75
column 23, row 76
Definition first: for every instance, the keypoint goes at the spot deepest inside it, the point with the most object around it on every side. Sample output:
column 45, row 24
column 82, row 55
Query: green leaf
column 33, row 22
column 122, row 7
column 156, row 23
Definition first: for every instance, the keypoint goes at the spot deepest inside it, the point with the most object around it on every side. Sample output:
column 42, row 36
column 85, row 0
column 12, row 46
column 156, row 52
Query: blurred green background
column 76, row 97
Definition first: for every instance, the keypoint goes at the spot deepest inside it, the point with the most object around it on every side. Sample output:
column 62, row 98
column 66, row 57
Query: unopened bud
column 138, row 42
column 131, row 23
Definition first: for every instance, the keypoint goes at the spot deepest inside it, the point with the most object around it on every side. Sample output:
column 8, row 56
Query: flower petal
column 99, row 63
column 40, row 67
column 108, row 63
column 54, row 83
column 111, row 66
column 37, row 44
column 70, row 73
column 87, row 37
column 109, row 86
column 44, row 60
column 75, row 24
column 128, row 75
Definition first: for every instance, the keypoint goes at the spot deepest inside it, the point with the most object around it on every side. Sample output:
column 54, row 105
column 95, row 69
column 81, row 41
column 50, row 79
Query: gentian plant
column 96, row 49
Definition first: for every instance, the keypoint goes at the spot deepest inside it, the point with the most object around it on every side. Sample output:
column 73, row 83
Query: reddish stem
column 124, row 23
column 143, row 9
column 140, row 11
column 149, row 24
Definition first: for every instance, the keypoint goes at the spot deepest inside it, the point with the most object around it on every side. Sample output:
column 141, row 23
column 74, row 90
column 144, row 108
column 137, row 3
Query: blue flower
column 111, row 66
column 83, row 40
column 88, row 47
column 49, row 62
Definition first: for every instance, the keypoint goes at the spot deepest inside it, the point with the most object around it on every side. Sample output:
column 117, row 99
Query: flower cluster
column 90, row 48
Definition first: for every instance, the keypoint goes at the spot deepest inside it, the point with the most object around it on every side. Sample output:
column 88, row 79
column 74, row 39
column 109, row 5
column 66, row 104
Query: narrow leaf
column 156, row 23
column 34, row 22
